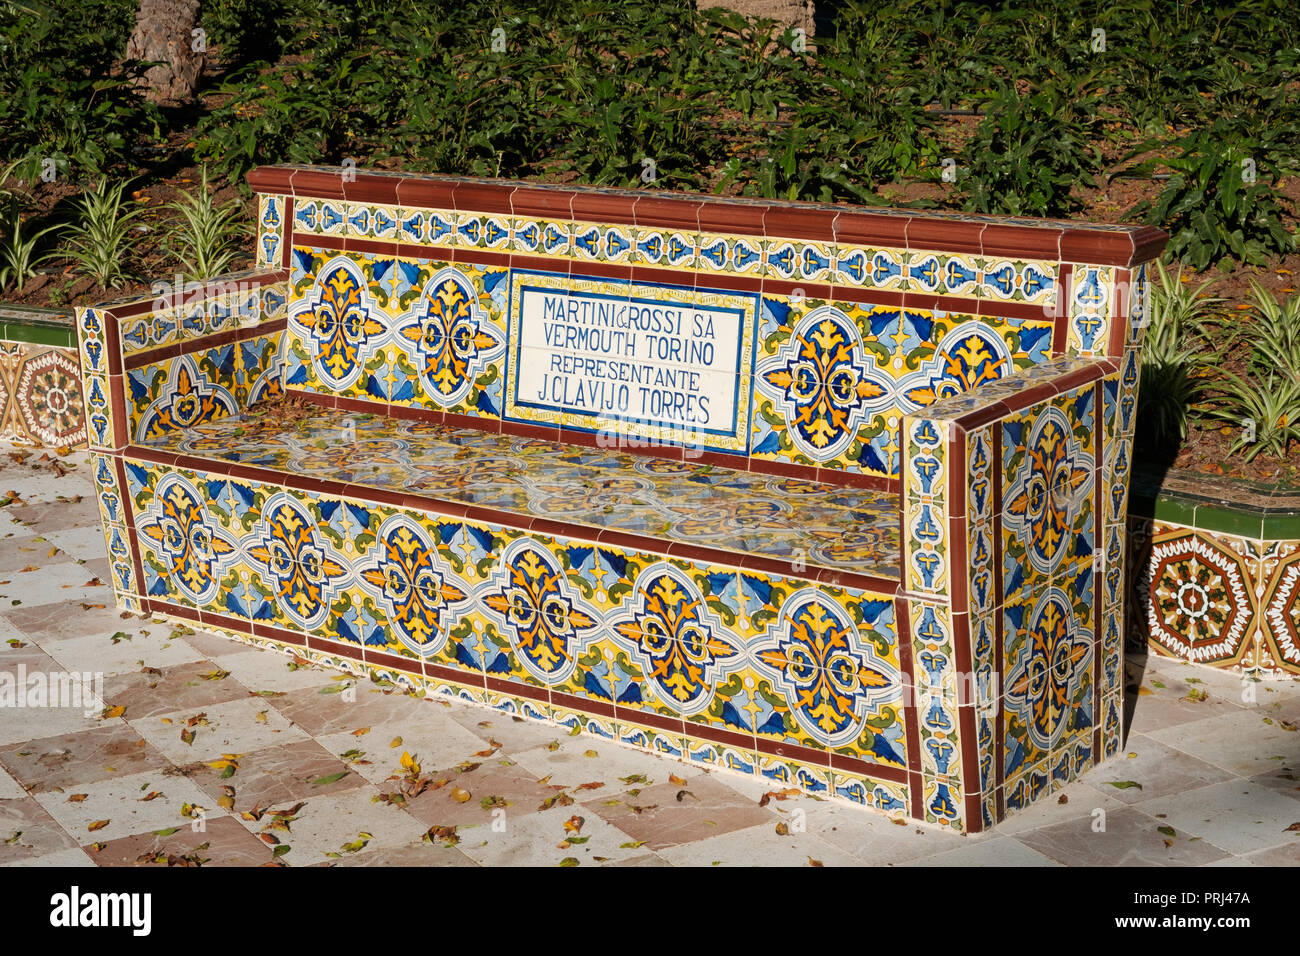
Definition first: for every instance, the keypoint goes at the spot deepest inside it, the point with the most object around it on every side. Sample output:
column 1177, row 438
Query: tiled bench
column 826, row 495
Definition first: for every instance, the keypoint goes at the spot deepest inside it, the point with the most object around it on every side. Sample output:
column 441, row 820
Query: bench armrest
column 181, row 355
column 1008, row 535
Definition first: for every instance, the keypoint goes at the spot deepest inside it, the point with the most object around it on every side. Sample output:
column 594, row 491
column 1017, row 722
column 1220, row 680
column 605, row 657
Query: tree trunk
column 164, row 32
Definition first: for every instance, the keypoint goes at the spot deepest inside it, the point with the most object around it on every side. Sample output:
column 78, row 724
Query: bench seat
column 741, row 512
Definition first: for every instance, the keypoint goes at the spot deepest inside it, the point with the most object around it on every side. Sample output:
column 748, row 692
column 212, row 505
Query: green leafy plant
column 18, row 259
column 65, row 89
column 1221, row 201
column 1264, row 402
column 1176, row 352
column 98, row 240
column 1028, row 152
column 204, row 235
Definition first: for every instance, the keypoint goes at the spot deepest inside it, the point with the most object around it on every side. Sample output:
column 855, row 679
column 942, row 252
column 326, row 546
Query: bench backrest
column 782, row 337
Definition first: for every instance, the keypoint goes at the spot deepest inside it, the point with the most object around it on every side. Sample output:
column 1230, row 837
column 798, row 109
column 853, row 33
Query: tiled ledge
column 998, row 236
column 26, row 323
column 1231, row 505
column 1217, row 572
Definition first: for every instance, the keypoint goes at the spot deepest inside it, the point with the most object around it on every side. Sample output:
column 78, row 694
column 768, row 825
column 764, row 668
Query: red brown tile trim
column 953, row 232
column 204, row 342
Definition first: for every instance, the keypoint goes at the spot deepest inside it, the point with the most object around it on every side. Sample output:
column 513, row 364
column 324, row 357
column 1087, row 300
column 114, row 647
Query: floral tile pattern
column 1215, row 598
column 833, row 380
column 833, row 527
column 720, row 648
column 41, row 400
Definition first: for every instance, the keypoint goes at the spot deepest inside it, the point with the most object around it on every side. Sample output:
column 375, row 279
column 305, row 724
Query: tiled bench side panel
column 1000, row 543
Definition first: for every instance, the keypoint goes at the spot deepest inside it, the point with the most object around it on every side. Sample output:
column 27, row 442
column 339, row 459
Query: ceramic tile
column 41, row 399
column 852, row 529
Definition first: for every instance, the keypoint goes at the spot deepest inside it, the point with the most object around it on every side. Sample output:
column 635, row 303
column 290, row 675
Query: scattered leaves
column 771, row 795
column 447, row 835
column 358, row 844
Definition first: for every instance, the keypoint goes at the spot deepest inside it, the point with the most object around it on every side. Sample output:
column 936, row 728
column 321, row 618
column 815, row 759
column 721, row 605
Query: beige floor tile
column 122, row 802
column 232, row 727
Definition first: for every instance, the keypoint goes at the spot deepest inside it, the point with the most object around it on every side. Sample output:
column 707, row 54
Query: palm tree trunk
column 164, row 32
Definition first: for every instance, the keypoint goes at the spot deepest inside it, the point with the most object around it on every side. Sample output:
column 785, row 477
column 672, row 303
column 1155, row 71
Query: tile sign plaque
column 626, row 359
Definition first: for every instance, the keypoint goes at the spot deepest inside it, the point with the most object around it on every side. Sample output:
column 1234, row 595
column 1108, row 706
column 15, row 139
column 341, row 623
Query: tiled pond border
column 1218, row 572
column 41, row 401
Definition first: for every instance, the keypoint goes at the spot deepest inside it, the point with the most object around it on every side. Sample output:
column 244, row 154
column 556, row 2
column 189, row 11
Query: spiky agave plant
column 1265, row 402
column 1176, row 352
column 18, row 258
column 98, row 241
column 203, row 235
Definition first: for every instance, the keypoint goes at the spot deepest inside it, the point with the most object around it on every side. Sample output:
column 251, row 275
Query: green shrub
column 63, row 91
column 1178, row 349
column 1221, row 202
column 1028, row 152
column 98, row 242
